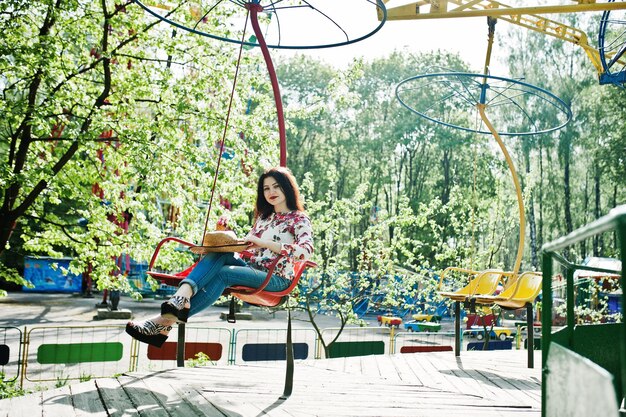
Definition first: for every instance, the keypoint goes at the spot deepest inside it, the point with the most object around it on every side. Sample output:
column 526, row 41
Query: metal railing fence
column 603, row 344
column 59, row 354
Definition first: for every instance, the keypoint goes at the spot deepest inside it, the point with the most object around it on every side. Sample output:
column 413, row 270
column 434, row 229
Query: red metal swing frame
column 255, row 296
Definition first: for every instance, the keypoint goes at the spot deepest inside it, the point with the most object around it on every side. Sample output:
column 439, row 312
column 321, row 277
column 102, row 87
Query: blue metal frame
column 481, row 87
column 273, row 8
column 609, row 77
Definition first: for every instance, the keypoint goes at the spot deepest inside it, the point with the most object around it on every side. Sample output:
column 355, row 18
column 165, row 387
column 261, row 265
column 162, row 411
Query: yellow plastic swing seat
column 524, row 290
column 484, row 283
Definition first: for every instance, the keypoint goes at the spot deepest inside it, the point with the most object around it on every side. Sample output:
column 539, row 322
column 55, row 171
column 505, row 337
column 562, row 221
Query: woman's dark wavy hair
column 287, row 182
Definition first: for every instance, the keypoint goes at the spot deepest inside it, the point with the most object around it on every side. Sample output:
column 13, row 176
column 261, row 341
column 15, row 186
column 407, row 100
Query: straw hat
column 220, row 241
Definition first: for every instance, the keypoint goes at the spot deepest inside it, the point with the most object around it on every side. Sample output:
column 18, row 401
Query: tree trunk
column 585, row 210
column 422, row 165
column 20, row 144
column 445, row 163
column 540, row 228
column 534, row 258
column 399, row 180
column 614, row 204
column 11, row 211
column 597, row 211
column 567, row 194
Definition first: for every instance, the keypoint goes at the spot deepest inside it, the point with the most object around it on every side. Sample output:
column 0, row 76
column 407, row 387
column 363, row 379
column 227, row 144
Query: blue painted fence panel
column 272, row 351
column 493, row 345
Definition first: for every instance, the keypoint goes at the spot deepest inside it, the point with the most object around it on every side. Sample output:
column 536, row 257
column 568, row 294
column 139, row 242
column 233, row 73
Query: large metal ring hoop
column 450, row 99
column 279, row 8
column 612, row 47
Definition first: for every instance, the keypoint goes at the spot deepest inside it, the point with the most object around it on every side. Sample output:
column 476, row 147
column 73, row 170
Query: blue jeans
column 218, row 271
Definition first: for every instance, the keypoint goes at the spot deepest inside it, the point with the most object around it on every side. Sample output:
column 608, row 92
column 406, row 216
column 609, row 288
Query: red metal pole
column 255, row 8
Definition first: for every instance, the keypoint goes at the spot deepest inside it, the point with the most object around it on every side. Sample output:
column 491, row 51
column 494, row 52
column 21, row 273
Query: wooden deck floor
column 423, row 384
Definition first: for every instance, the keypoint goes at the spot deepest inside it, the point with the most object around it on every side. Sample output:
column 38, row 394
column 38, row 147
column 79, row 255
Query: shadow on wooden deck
column 495, row 383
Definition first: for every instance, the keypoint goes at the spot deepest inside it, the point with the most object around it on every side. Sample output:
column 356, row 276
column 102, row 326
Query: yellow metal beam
column 528, row 17
column 439, row 10
column 518, row 188
column 559, row 31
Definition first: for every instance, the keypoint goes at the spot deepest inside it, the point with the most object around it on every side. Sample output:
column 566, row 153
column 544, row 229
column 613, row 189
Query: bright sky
column 465, row 36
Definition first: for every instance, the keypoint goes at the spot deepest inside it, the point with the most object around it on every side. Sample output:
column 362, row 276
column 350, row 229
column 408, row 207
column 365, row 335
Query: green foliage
column 11, row 275
column 10, row 389
column 117, row 124
column 591, row 306
column 392, row 194
column 61, row 380
column 117, row 131
column 201, row 359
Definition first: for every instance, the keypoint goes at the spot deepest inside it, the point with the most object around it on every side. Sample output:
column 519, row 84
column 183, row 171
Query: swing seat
column 254, row 296
column 169, row 279
column 259, row 297
column 483, row 283
column 518, row 294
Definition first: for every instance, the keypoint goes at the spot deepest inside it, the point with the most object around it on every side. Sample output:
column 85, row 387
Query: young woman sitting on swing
column 281, row 227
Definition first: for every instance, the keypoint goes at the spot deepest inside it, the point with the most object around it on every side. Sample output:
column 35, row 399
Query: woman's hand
column 254, row 242
column 258, row 243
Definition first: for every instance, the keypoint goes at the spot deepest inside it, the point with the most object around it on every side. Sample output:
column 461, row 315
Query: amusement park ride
column 462, row 92
column 608, row 59
column 198, row 18
column 441, row 97
column 515, row 104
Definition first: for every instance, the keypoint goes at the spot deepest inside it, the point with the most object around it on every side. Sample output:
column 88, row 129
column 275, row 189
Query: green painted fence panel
column 346, row 349
column 598, row 342
column 80, row 352
column 577, row 387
